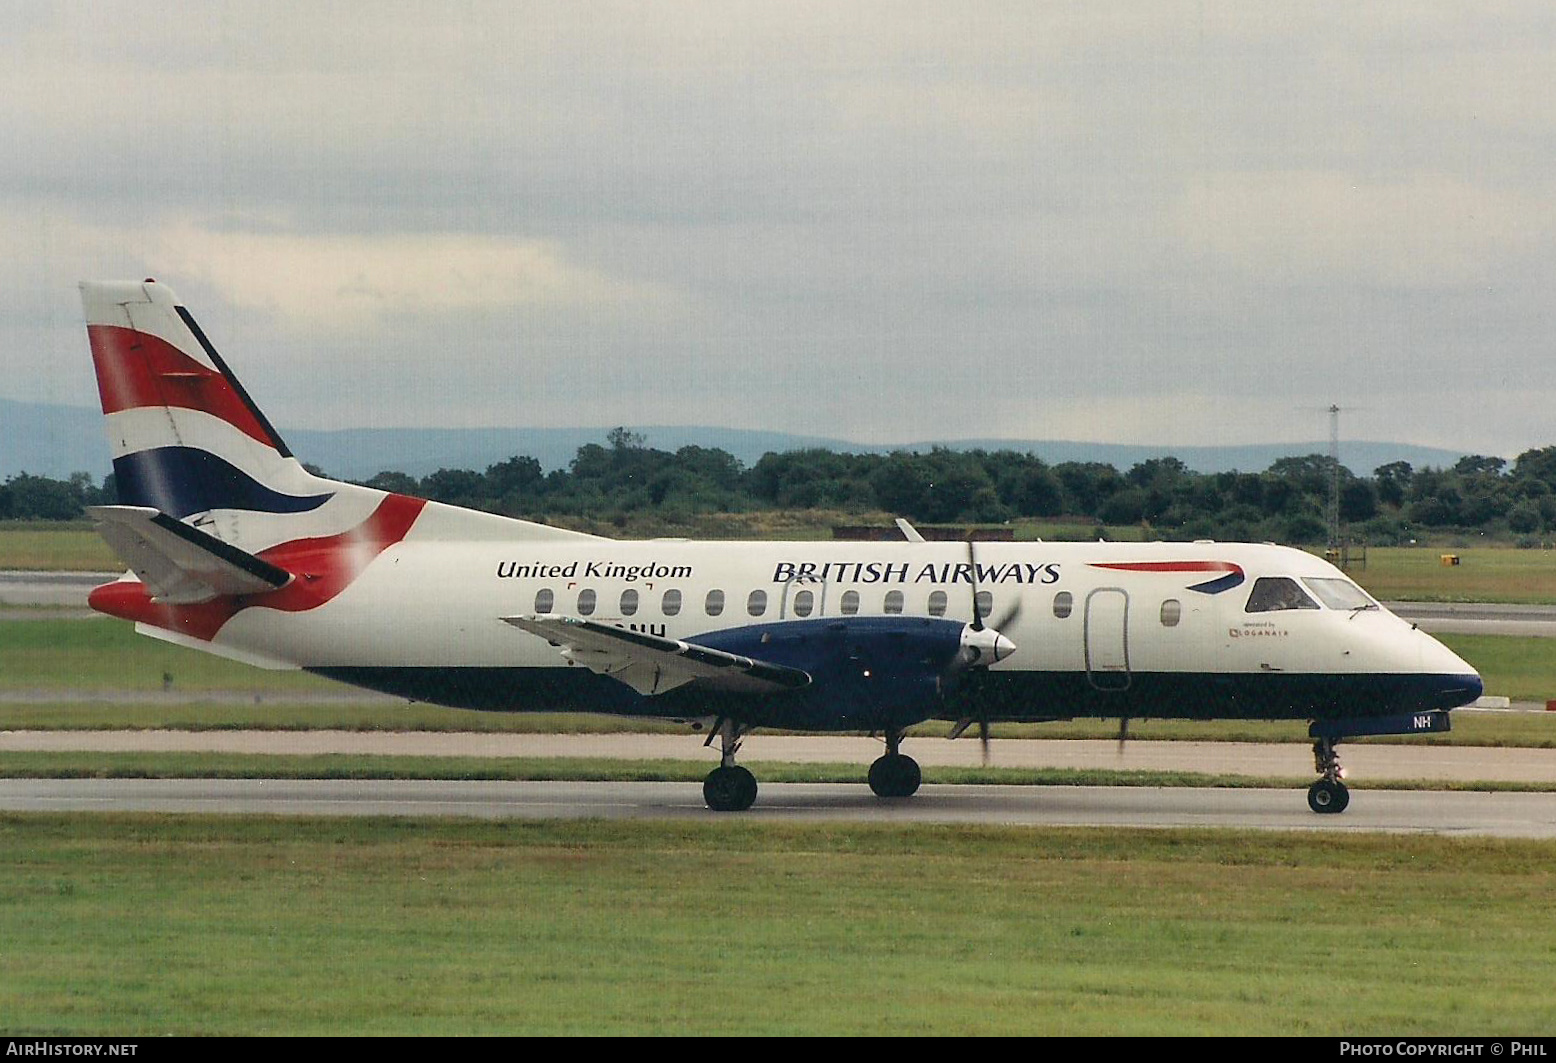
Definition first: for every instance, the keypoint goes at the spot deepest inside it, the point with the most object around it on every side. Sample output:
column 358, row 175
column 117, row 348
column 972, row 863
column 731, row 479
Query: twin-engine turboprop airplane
column 235, row 549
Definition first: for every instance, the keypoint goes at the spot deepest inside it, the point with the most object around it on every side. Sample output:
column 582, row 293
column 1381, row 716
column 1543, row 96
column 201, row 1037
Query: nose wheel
column 1328, row 794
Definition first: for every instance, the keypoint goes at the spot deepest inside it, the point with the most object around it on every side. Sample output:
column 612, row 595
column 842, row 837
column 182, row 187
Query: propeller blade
column 1010, row 616
column 983, row 739
column 972, row 563
column 1123, row 733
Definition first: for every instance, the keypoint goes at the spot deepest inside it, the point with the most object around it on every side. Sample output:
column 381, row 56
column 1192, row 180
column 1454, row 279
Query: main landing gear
column 894, row 775
column 729, row 787
column 1328, row 794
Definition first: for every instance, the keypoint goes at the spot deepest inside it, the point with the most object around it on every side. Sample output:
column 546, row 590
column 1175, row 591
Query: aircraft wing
column 650, row 664
column 180, row 564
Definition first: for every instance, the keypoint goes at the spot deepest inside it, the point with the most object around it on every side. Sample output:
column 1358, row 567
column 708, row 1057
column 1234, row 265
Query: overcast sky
column 1168, row 223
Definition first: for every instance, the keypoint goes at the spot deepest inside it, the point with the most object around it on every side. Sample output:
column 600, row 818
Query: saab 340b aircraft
column 235, row 549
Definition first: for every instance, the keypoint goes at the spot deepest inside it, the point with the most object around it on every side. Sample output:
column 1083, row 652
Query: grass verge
column 209, row 925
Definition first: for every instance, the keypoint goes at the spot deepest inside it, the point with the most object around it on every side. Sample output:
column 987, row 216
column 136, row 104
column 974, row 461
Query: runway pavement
column 28, row 595
column 1505, row 815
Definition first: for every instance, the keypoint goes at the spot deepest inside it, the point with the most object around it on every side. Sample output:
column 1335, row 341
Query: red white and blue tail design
column 216, row 516
column 187, row 440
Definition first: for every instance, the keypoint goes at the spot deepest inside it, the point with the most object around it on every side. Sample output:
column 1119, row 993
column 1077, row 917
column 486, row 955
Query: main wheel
column 1328, row 797
column 731, row 789
column 895, row 775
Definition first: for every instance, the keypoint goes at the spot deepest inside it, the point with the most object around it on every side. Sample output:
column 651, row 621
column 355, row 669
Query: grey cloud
column 830, row 218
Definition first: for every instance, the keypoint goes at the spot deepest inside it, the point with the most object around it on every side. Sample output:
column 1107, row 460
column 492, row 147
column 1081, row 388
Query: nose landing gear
column 1328, row 794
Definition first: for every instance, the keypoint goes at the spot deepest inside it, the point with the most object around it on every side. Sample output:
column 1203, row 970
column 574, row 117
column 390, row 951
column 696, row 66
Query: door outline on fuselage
column 1106, row 634
column 807, row 583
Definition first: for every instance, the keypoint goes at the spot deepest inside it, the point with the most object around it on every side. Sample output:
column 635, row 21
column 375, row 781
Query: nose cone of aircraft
column 1457, row 681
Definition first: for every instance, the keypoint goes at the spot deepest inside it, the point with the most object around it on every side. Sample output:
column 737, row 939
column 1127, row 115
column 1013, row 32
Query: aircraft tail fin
column 190, row 443
column 187, row 439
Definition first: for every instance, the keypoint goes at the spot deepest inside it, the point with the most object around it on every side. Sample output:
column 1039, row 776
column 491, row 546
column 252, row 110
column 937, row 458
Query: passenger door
column 1107, row 638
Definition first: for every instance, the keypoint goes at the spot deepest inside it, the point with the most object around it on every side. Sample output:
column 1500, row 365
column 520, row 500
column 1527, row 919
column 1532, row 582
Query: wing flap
column 651, row 664
column 179, row 564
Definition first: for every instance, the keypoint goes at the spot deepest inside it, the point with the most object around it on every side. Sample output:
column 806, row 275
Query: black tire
column 747, row 790
column 1328, row 797
column 895, row 775
column 729, row 789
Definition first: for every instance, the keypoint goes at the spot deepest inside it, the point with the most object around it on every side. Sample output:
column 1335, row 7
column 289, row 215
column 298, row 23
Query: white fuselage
column 437, row 605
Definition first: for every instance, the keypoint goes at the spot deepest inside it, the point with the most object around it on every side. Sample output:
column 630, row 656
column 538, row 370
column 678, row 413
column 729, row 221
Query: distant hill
column 57, row 440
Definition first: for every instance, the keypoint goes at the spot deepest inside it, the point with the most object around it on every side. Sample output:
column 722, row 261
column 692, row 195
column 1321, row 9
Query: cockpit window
column 1273, row 593
column 1340, row 593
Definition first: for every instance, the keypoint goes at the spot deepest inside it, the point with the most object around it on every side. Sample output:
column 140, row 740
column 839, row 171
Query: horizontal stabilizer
column 650, row 664
column 180, row 564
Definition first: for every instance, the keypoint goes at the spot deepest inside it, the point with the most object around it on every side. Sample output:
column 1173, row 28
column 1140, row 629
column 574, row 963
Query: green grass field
column 1484, row 574
column 50, row 547
column 52, row 654
column 141, row 925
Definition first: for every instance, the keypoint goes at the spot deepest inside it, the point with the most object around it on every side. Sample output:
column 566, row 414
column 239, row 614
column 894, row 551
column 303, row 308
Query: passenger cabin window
column 893, row 604
column 629, row 602
column 756, row 603
column 983, row 601
column 804, row 603
column 1340, row 593
column 715, row 603
column 1064, row 604
column 1274, row 593
column 671, row 603
column 1172, row 612
column 544, row 600
column 849, row 604
column 586, row 602
column 937, row 603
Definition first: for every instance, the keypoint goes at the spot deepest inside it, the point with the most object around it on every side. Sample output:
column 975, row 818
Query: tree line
column 1286, row 503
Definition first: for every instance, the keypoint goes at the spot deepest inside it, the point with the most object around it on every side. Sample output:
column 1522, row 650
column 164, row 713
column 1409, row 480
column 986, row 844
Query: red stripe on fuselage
column 321, row 569
column 137, row 369
column 1172, row 566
